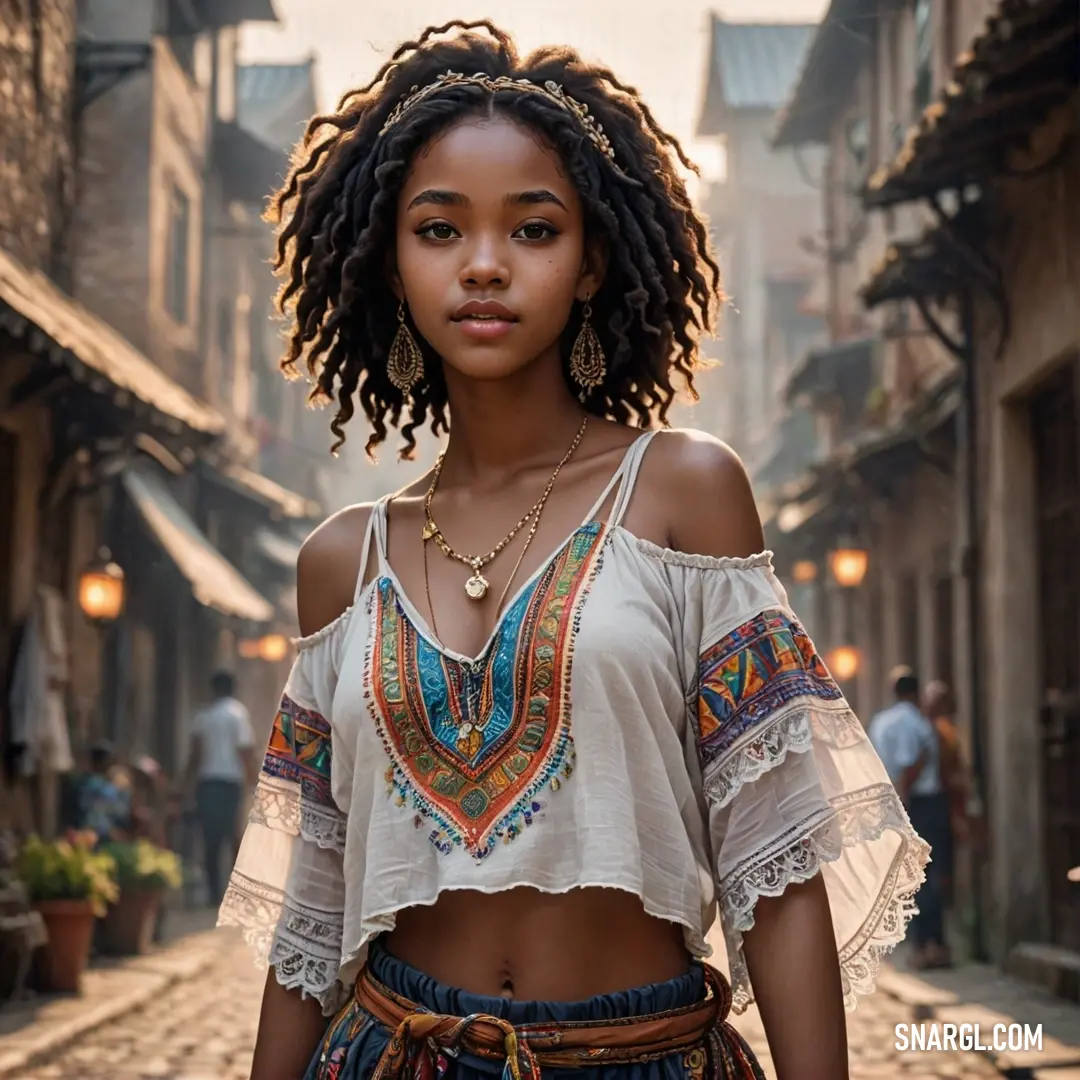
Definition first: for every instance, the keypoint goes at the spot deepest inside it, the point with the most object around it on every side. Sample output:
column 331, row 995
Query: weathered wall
column 37, row 67
column 1040, row 259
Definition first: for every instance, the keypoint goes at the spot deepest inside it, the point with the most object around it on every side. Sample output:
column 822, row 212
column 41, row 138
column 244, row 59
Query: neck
column 502, row 427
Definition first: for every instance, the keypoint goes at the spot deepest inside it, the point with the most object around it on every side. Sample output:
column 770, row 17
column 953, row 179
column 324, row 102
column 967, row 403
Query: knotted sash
column 420, row 1038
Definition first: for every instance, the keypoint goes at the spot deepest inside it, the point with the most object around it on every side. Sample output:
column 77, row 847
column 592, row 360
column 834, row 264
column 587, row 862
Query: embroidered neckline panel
column 473, row 744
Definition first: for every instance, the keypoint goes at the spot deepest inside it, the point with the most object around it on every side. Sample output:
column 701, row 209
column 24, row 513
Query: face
column 491, row 250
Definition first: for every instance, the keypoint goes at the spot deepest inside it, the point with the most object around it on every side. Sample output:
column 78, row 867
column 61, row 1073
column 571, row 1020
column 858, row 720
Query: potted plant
column 70, row 884
column 144, row 872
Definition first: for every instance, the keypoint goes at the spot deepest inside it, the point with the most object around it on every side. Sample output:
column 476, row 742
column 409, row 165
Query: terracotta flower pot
column 70, row 925
column 128, row 928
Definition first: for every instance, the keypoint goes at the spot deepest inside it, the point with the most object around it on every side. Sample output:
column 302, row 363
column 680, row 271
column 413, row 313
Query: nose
column 485, row 265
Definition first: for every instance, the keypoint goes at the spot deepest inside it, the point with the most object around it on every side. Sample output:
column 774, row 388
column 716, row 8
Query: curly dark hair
column 336, row 217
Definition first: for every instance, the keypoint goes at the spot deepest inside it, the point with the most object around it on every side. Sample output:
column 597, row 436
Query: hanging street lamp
column 102, row 589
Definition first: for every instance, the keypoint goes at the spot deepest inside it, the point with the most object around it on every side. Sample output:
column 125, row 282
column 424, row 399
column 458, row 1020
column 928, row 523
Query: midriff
column 563, row 947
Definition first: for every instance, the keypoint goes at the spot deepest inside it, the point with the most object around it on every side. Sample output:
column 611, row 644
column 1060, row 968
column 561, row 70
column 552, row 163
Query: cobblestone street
column 204, row 1029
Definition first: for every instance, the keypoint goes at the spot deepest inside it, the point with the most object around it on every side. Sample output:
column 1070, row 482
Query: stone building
column 998, row 160
column 127, row 396
column 956, row 309
column 759, row 212
column 37, row 62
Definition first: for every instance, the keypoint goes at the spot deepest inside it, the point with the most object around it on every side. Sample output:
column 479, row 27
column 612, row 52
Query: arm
column 791, row 954
column 909, row 775
column 290, row 1023
column 245, row 748
column 911, row 757
column 791, row 951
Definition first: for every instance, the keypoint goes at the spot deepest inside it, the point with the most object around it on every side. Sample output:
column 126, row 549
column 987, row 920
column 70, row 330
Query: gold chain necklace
column 477, row 586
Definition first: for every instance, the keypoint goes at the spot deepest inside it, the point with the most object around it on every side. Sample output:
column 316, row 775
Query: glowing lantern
column 273, row 648
column 844, row 663
column 804, row 572
column 849, row 566
column 101, row 589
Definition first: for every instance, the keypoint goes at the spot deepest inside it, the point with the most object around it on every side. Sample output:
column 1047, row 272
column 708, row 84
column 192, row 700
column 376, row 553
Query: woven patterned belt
column 420, row 1037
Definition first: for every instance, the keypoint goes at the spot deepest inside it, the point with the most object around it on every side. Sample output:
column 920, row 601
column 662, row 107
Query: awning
column 794, row 515
column 883, row 457
column 252, row 484
column 215, row 582
column 1022, row 66
column 51, row 323
column 930, row 268
column 832, row 369
column 235, row 12
column 251, row 170
column 278, row 547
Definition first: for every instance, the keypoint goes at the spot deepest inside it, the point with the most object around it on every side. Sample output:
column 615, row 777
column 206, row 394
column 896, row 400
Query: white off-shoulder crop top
column 640, row 719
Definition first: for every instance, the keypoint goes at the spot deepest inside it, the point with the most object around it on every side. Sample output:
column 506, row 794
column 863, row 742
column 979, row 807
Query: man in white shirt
column 907, row 743
column 221, row 764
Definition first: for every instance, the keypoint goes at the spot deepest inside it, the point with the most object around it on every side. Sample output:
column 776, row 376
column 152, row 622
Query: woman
column 550, row 706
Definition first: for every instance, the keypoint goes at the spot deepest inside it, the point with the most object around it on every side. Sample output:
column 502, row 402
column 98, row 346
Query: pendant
column 430, row 529
column 476, row 587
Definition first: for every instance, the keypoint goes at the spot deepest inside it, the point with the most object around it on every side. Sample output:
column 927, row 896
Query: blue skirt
column 356, row 1041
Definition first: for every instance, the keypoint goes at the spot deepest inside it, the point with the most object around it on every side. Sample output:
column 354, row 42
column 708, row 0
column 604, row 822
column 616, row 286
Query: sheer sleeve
column 287, row 890
column 791, row 784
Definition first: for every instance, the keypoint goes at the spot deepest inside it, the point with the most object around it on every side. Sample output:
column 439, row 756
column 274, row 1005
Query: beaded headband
column 551, row 90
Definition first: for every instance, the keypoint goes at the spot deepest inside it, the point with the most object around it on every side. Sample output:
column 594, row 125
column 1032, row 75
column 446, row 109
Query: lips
column 484, row 311
column 484, row 319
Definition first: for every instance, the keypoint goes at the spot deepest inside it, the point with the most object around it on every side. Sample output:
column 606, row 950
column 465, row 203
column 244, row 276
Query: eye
column 536, row 230
column 437, row 230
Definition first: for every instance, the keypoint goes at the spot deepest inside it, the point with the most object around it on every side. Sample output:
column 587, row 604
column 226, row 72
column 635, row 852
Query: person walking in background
column 221, row 764
column 940, row 709
column 103, row 803
column 908, row 745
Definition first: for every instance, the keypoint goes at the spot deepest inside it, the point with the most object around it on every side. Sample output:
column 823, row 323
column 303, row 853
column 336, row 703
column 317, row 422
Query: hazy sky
column 661, row 47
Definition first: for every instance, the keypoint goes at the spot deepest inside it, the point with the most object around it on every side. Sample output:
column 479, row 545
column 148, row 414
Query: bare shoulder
column 708, row 498
column 329, row 567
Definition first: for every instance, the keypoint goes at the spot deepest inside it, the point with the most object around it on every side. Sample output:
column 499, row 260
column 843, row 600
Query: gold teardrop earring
column 405, row 364
column 588, row 365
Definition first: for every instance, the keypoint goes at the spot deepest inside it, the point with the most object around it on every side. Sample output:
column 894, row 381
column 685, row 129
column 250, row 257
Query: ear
column 593, row 268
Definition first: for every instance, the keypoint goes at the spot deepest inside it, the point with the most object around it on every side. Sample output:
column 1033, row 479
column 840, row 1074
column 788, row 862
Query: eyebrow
column 439, row 197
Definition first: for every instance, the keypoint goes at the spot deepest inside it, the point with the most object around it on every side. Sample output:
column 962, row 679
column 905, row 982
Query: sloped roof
column 840, row 45
column 72, row 334
column 1023, row 64
column 751, row 66
column 275, row 101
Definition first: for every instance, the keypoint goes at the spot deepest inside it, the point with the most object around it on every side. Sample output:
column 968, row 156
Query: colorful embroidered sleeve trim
column 300, row 752
column 752, row 674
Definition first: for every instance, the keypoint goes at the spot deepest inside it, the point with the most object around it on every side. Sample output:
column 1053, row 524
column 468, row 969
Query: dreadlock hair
column 336, row 217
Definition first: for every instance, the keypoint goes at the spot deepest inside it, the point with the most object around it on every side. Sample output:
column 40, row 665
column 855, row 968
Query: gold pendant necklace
column 476, row 587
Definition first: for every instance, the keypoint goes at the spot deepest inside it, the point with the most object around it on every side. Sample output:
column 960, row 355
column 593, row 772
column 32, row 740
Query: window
column 176, row 284
column 924, row 55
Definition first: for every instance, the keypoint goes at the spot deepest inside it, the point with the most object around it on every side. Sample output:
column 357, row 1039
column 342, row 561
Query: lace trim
column 856, row 818
column 789, row 731
column 282, row 809
column 761, row 561
column 301, row 943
